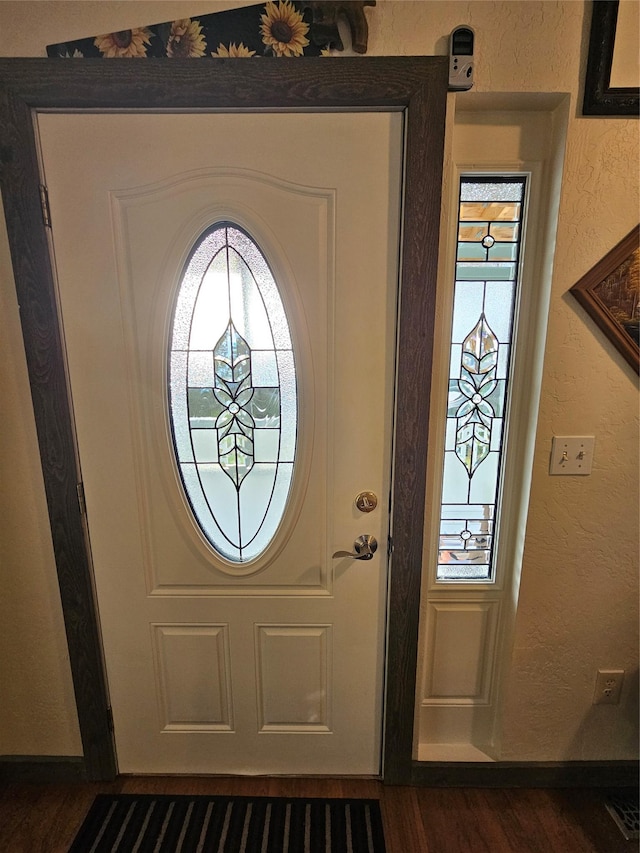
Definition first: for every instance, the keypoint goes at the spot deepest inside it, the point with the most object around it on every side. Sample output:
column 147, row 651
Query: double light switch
column 572, row 454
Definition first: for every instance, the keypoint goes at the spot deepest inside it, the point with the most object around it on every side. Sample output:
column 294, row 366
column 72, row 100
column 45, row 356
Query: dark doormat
column 130, row 823
column 623, row 806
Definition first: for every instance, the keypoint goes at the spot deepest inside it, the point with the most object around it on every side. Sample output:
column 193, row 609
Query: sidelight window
column 232, row 393
column 490, row 221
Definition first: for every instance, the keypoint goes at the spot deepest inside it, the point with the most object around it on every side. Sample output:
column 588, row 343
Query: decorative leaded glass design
column 232, row 392
column 487, row 264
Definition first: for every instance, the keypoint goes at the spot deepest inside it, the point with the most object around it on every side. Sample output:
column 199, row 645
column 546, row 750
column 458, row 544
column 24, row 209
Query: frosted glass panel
column 468, row 303
column 264, row 368
column 276, row 507
column 194, row 488
column 487, row 272
column 256, row 498
column 268, row 289
column 233, row 393
column 248, row 311
column 190, row 285
column 485, row 481
column 208, row 321
column 222, row 499
column 178, row 386
column 498, row 307
column 267, row 445
column 455, row 487
column 288, row 436
column 200, row 369
column 491, row 190
column 205, row 445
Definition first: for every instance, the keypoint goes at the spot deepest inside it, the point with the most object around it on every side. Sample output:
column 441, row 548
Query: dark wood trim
column 348, row 83
column 419, row 267
column 414, row 85
column 600, row 99
column 42, row 768
column 526, row 774
column 19, row 179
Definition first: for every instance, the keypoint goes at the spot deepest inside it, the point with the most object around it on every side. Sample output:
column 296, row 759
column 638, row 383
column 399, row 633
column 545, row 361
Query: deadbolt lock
column 366, row 501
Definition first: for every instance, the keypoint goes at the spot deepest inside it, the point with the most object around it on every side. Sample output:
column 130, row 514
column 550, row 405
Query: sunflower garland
column 125, row 43
column 283, row 29
column 186, row 39
column 274, row 28
column 234, row 50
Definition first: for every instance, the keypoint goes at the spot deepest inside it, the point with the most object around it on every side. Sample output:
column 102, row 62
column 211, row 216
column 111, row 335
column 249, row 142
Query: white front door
column 216, row 665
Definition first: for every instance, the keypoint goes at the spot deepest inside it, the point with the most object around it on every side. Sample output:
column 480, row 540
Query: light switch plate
column 572, row 454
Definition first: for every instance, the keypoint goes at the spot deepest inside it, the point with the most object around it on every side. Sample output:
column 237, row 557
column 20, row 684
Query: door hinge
column 389, row 546
column 110, row 719
column 44, row 203
column 81, row 501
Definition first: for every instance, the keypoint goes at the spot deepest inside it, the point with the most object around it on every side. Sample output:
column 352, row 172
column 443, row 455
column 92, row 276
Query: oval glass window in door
column 232, row 393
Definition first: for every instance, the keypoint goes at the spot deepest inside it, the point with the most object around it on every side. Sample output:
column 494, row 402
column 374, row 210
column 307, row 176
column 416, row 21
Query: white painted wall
column 578, row 607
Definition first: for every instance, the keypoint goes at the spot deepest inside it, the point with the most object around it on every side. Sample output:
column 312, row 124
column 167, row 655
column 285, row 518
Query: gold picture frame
column 610, row 294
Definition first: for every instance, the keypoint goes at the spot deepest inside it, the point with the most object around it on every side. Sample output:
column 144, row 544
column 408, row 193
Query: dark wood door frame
column 414, row 85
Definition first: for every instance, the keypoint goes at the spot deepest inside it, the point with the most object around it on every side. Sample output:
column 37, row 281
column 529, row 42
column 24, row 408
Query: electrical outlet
column 608, row 686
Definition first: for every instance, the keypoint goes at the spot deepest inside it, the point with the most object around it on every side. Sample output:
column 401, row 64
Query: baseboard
column 42, row 768
column 526, row 774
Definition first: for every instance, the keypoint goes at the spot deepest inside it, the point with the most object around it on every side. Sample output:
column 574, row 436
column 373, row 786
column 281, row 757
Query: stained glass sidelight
column 232, row 393
column 487, row 266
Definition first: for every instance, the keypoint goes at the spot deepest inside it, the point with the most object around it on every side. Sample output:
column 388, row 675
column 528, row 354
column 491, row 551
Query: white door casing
column 275, row 667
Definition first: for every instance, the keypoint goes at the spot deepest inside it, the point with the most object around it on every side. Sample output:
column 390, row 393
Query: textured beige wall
column 579, row 591
column 37, row 706
column 578, row 606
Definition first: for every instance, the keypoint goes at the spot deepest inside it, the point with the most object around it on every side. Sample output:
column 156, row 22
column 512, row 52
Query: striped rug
column 130, row 823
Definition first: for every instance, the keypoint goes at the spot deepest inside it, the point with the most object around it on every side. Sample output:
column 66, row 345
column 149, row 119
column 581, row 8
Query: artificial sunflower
column 186, row 39
column 64, row 54
column 283, row 29
column 128, row 43
column 233, row 50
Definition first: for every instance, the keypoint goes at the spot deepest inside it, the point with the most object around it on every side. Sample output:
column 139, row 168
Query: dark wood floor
column 44, row 818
